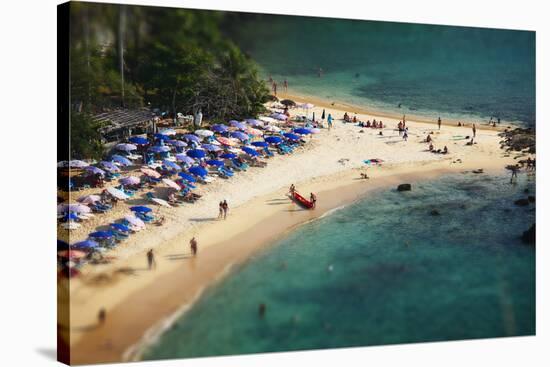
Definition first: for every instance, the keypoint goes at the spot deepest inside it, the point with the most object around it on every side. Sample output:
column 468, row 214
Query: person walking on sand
column 151, row 263
column 194, row 246
column 220, row 213
column 514, row 170
column 225, row 207
column 474, row 129
column 312, row 198
column 275, row 88
column 285, row 85
column 329, row 121
column 439, row 123
column 292, row 189
column 406, row 134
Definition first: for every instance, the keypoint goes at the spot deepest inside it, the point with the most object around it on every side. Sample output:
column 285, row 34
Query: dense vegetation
column 173, row 59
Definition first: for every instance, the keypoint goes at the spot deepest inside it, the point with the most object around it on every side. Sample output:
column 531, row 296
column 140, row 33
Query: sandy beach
column 140, row 303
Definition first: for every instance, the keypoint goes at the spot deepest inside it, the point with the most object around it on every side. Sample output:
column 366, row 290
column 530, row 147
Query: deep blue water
column 456, row 72
column 380, row 271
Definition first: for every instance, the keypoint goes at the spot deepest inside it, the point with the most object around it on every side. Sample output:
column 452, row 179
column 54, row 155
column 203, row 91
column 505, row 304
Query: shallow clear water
column 398, row 275
column 461, row 73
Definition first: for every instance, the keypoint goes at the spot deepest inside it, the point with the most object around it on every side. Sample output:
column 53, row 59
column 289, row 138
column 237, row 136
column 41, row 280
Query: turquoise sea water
column 380, row 271
column 461, row 73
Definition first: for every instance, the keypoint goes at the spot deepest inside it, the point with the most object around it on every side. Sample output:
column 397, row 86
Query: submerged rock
column 521, row 202
column 435, row 212
column 529, row 236
column 404, row 187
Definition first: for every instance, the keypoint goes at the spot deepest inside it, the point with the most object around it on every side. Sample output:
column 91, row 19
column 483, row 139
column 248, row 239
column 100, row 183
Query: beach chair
column 238, row 165
column 225, row 172
column 144, row 217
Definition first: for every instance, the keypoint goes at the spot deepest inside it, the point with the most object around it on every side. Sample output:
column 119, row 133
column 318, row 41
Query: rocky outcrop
column 519, row 139
column 404, row 187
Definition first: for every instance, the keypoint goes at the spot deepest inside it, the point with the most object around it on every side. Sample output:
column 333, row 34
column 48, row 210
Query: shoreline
column 332, row 160
column 212, row 265
column 378, row 114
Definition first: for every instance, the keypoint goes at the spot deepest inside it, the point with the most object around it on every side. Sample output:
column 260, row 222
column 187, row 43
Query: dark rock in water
column 480, row 170
column 531, row 198
column 521, row 202
column 529, row 236
column 404, row 187
column 435, row 212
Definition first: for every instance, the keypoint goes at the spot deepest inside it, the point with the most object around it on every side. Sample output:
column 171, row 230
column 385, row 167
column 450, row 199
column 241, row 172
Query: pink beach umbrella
column 136, row 222
column 254, row 132
column 149, row 172
column 75, row 208
column 227, row 141
column 130, row 180
column 89, row 199
column 171, row 184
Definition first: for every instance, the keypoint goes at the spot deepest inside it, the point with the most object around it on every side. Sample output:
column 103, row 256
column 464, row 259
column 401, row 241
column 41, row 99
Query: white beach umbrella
column 204, row 133
column 117, row 193
column 273, row 128
column 89, row 199
column 161, row 202
column 168, row 132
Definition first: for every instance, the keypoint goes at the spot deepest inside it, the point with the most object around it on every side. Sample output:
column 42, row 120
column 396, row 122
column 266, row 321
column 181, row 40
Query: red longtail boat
column 302, row 200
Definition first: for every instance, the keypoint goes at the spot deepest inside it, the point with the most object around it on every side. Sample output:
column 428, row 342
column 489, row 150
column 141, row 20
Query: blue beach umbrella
column 215, row 162
column 198, row 171
column 120, row 227
column 109, row 166
column 187, row 177
column 70, row 216
column 291, row 136
column 211, row 147
column 161, row 137
column 159, row 149
column 219, row 128
column 273, row 139
column 122, row 160
column 126, row 147
column 95, row 170
column 177, row 143
column 250, row 151
column 239, row 135
column 254, row 122
column 237, row 124
column 86, row 244
column 196, row 153
column 192, row 137
column 302, row 131
column 140, row 209
column 182, row 157
column 261, row 144
column 101, row 234
column 138, row 140
column 228, row 156
column 171, row 164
